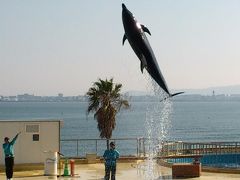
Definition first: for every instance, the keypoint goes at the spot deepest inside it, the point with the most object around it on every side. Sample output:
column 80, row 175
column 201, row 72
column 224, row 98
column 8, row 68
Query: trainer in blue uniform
column 9, row 155
column 110, row 157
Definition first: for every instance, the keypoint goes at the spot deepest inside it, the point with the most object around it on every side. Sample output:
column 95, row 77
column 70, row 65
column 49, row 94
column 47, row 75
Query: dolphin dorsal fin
column 145, row 29
column 124, row 39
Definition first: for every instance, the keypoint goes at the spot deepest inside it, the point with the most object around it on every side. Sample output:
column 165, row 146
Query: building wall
column 26, row 149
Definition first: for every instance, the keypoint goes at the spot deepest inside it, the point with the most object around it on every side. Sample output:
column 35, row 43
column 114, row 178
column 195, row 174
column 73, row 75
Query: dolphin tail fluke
column 171, row 95
column 175, row 94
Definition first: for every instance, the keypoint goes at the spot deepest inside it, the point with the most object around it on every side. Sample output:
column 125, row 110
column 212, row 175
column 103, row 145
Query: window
column 35, row 137
column 32, row 128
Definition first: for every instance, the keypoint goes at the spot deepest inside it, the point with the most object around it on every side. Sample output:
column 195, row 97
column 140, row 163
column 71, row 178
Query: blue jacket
column 111, row 157
column 8, row 147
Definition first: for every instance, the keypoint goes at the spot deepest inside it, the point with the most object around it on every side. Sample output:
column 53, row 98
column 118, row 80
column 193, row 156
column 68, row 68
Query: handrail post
column 77, row 147
column 137, row 147
column 144, row 150
column 96, row 146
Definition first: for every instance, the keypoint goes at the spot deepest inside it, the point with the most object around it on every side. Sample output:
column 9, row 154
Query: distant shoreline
column 141, row 98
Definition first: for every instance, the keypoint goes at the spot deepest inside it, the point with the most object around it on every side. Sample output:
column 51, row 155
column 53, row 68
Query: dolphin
column 135, row 34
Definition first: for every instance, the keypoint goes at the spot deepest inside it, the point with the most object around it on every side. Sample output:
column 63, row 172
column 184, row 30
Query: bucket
column 50, row 164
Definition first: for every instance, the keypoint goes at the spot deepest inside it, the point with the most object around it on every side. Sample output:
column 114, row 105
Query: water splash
column 157, row 127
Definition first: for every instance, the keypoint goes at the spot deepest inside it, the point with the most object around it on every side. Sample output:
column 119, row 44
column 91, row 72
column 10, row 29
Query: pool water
column 214, row 160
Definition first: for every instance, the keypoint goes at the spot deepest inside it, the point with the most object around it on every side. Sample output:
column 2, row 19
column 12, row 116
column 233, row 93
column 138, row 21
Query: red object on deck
column 72, row 162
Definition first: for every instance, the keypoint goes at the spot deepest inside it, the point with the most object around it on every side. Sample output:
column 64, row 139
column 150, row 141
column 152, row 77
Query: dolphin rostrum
column 135, row 34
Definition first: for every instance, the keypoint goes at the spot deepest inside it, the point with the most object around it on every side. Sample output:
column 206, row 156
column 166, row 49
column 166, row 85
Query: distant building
column 213, row 93
column 13, row 98
column 25, row 97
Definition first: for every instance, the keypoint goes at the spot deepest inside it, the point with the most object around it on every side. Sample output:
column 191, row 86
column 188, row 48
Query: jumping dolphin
column 135, row 34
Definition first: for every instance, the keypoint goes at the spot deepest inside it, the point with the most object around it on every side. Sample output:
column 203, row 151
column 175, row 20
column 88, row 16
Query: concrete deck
column 131, row 171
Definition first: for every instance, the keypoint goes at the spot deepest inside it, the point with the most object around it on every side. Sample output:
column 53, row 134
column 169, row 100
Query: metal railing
column 188, row 148
column 80, row 147
column 138, row 147
column 213, row 154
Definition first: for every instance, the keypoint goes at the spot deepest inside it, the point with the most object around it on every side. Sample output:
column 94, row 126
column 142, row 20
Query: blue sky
column 48, row 47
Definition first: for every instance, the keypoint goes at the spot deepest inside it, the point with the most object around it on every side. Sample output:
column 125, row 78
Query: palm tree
column 105, row 101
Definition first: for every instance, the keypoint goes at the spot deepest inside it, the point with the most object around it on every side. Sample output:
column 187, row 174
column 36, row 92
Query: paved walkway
column 125, row 171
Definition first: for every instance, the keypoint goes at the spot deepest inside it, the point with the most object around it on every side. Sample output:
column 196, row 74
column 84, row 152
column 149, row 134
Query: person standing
column 110, row 156
column 9, row 155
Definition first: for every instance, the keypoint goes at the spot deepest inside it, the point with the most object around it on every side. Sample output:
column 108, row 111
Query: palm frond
column 105, row 100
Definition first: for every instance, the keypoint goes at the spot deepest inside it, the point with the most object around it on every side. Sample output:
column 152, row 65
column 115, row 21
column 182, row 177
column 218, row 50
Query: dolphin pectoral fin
column 143, row 62
column 124, row 39
column 142, row 66
column 145, row 29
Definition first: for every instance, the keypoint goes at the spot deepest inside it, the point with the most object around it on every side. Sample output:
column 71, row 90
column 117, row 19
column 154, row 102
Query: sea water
column 197, row 121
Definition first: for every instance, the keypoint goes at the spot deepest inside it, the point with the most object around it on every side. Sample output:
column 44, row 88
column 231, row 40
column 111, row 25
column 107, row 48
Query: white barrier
column 50, row 165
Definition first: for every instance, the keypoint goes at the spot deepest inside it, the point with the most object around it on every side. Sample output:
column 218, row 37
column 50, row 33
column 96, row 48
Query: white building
column 35, row 138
